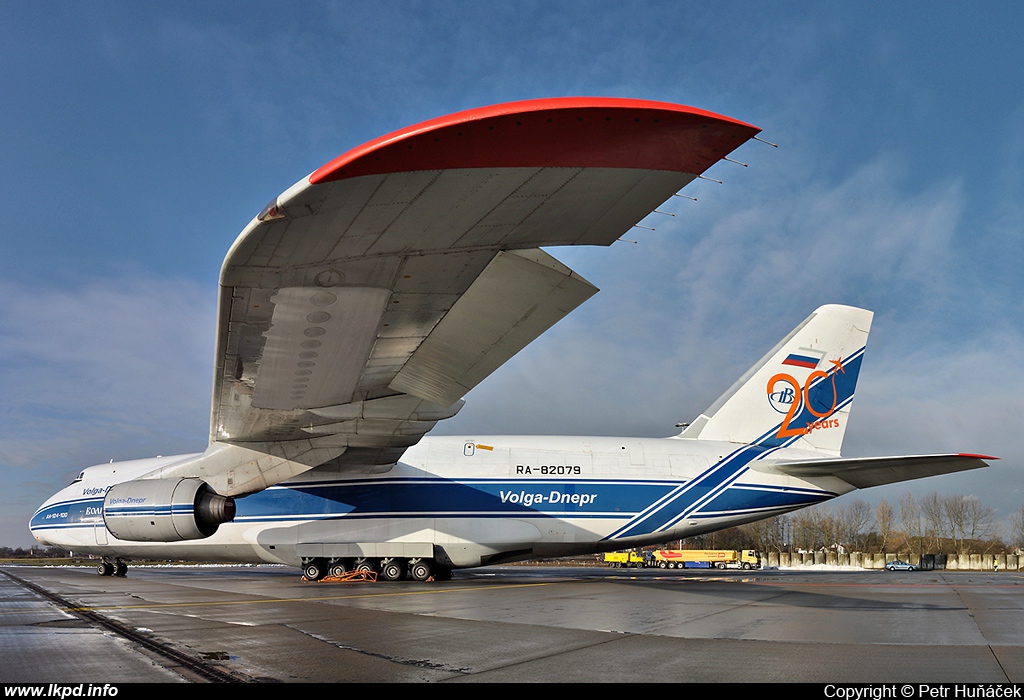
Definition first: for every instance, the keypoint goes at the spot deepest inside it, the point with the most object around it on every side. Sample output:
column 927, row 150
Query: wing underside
column 370, row 297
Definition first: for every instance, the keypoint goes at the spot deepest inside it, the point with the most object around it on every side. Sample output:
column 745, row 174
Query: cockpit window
column 81, row 475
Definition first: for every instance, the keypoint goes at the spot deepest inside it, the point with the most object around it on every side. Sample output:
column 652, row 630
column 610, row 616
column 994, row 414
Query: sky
column 138, row 139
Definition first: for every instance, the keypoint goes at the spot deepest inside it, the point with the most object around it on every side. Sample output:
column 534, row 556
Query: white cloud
column 111, row 369
column 686, row 311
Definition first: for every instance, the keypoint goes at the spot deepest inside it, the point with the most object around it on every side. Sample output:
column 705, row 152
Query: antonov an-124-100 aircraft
column 361, row 305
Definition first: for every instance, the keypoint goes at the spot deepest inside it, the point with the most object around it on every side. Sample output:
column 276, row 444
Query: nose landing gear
column 112, row 567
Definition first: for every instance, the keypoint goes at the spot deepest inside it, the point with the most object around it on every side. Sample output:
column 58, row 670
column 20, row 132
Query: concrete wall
column 928, row 562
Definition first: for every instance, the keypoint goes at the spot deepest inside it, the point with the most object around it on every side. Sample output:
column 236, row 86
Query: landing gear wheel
column 366, row 565
column 105, row 569
column 121, row 569
column 392, row 570
column 314, row 570
column 420, row 570
column 337, row 569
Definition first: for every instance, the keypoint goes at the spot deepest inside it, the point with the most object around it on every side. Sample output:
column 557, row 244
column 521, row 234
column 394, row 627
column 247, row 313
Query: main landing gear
column 387, row 568
column 112, row 567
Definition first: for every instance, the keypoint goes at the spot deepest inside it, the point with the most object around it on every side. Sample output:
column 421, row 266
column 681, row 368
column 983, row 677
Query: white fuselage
column 480, row 500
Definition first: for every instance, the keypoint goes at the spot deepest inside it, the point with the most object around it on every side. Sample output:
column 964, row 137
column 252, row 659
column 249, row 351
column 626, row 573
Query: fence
column 928, row 562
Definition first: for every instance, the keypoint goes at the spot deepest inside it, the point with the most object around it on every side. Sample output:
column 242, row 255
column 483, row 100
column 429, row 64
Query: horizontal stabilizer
column 864, row 472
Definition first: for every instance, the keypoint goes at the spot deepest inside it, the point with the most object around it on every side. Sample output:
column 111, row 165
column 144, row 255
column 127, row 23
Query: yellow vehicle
column 619, row 560
column 707, row 558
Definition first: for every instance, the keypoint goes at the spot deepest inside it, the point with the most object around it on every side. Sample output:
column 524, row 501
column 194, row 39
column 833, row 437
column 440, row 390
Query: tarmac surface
column 518, row 624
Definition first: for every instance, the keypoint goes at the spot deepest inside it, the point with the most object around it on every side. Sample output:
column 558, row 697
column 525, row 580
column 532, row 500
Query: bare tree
column 933, row 512
column 851, row 521
column 770, row 534
column 805, row 530
column 885, row 520
column 1017, row 529
column 913, row 522
column 967, row 522
column 814, row 529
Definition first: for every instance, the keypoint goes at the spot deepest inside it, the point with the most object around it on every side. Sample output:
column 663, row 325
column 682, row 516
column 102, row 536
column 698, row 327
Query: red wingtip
column 558, row 132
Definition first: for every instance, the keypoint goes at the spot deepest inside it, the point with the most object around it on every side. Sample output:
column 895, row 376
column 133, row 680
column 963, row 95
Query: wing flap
column 516, row 298
column 876, row 471
column 309, row 348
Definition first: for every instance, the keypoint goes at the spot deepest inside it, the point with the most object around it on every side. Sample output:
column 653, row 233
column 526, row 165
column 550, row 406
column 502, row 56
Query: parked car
column 900, row 566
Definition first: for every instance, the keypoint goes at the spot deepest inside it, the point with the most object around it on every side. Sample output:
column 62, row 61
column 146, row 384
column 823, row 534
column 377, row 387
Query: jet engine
column 165, row 510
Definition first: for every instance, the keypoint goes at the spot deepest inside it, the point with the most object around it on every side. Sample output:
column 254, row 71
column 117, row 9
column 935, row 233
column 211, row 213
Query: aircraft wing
column 366, row 300
column 862, row 473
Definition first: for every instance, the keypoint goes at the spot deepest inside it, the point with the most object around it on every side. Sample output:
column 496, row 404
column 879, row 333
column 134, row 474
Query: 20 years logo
column 787, row 395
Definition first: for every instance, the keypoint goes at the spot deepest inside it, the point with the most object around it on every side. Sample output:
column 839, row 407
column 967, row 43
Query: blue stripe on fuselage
column 746, row 499
column 833, row 391
column 75, row 513
column 419, row 497
column 429, row 497
column 693, row 495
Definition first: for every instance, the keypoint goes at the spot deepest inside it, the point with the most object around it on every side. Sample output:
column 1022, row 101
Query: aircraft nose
column 40, row 539
column 44, row 524
column 33, row 527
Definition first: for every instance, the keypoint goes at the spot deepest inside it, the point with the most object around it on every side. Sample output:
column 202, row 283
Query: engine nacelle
column 165, row 510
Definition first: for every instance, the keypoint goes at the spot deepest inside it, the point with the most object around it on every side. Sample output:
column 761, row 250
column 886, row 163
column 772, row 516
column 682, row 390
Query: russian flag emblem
column 805, row 361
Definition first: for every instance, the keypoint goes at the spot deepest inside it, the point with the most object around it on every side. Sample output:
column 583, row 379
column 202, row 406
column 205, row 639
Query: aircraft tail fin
column 800, row 393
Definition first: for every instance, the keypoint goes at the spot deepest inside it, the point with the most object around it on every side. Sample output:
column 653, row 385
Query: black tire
column 420, row 570
column 338, row 568
column 746, row 565
column 393, row 570
column 662, row 565
column 367, row 565
column 105, row 569
column 121, row 569
column 314, row 570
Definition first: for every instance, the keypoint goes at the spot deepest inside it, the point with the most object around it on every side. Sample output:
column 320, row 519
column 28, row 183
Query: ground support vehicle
column 619, row 560
column 704, row 558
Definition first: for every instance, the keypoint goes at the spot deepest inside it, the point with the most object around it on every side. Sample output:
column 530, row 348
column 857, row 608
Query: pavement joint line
column 151, row 606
